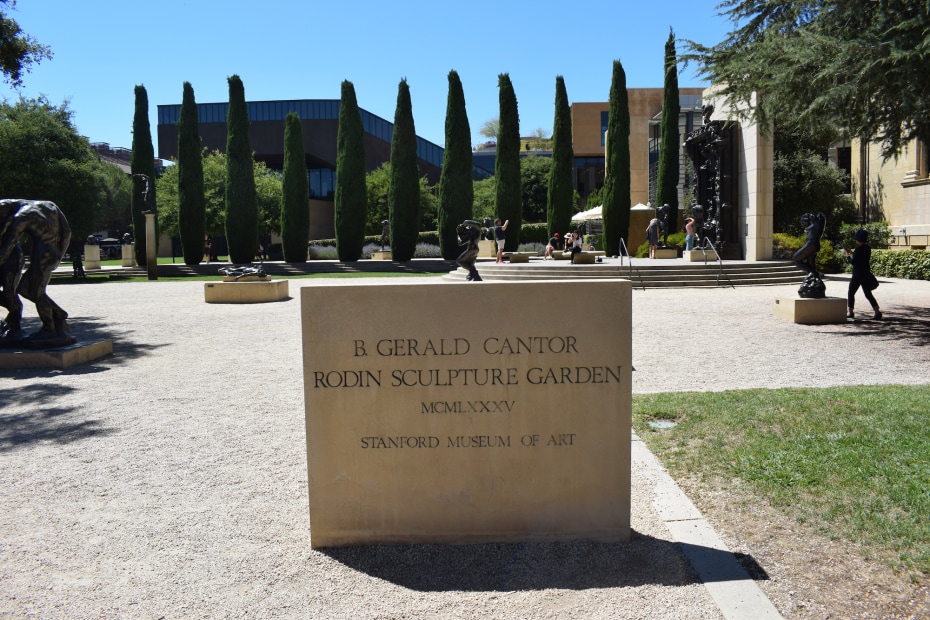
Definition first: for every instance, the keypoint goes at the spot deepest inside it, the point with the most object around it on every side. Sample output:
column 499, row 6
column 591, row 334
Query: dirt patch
column 804, row 573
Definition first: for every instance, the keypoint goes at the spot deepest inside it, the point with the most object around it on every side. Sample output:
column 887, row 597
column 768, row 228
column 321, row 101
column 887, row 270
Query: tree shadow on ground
column 30, row 412
column 29, row 415
column 907, row 325
column 506, row 567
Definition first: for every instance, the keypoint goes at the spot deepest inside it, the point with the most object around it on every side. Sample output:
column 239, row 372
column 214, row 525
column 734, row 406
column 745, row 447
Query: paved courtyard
column 169, row 480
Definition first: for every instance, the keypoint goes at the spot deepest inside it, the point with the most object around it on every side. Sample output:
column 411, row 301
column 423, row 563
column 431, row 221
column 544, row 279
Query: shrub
column 535, row 233
column 879, row 235
column 910, row 264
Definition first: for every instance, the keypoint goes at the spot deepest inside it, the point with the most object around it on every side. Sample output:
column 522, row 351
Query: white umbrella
column 590, row 214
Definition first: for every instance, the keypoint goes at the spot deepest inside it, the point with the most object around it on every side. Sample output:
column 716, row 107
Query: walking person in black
column 861, row 274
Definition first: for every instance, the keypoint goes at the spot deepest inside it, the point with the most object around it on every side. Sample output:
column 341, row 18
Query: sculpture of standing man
column 50, row 234
column 469, row 232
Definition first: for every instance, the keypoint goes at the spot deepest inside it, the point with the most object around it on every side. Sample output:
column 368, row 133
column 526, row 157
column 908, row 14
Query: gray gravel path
column 170, row 479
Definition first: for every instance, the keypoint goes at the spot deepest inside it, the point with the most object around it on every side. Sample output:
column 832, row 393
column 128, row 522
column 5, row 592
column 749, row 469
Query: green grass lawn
column 854, row 462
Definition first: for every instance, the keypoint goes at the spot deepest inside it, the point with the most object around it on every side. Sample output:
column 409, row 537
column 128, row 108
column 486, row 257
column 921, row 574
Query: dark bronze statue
column 147, row 192
column 257, row 271
column 806, row 258
column 385, row 233
column 469, row 232
column 705, row 147
column 662, row 214
column 48, row 230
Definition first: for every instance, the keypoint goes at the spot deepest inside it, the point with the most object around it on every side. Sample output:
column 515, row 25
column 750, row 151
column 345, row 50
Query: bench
column 519, row 257
column 582, row 258
column 587, row 258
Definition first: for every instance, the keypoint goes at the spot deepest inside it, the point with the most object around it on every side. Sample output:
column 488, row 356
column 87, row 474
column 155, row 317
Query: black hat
column 861, row 235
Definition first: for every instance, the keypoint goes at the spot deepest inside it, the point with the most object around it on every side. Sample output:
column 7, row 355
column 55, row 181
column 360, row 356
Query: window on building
column 604, row 119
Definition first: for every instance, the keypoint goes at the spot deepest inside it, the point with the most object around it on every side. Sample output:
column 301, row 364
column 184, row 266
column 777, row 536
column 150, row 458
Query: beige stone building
column 896, row 191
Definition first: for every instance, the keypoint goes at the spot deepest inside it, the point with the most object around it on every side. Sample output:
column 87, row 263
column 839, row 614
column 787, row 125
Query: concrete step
column 648, row 275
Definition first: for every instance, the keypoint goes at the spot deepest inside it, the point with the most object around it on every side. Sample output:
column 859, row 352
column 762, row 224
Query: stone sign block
column 454, row 413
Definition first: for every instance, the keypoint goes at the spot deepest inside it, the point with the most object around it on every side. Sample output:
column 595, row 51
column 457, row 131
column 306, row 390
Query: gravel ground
column 169, row 480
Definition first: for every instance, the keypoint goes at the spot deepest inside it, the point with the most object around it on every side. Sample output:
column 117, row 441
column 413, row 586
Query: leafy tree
column 191, row 222
column 534, row 186
column 560, row 190
column 295, row 212
column 42, row 157
column 377, row 188
column 805, row 182
column 142, row 161
column 490, row 129
column 669, row 172
column 350, row 192
column 113, row 213
column 267, row 188
column 241, row 205
column 456, row 192
column 18, row 50
column 404, row 191
column 858, row 64
column 485, row 193
column 616, row 211
column 507, row 163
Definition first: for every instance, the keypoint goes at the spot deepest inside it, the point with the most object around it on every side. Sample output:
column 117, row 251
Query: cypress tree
column 508, row 203
column 241, row 203
column 295, row 207
column 669, row 138
column 351, row 198
column 561, row 190
column 456, row 192
column 404, row 190
column 191, row 201
column 142, row 161
column 616, row 211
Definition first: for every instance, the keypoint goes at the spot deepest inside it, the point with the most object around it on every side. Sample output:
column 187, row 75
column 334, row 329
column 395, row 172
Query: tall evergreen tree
column 561, row 190
column 351, row 197
column 456, row 191
column 507, row 165
column 142, row 161
column 241, row 203
column 668, row 171
column 295, row 208
column 191, row 201
column 404, row 191
column 616, row 211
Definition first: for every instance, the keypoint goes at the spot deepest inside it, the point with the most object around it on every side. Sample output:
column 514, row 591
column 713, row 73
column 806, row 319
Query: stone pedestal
column 699, row 256
column 427, row 424
column 487, row 249
column 245, row 291
column 129, row 255
column 584, row 258
column 811, row 311
column 91, row 257
column 61, row 357
column 151, row 246
column 666, row 253
column 518, row 257
column 381, row 255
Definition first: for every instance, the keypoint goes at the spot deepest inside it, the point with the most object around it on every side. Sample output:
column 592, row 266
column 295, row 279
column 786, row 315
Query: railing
column 707, row 245
column 625, row 251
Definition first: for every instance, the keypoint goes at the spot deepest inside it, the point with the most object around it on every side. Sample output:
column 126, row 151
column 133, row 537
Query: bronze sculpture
column 47, row 227
column 469, row 232
column 385, row 233
column 806, row 258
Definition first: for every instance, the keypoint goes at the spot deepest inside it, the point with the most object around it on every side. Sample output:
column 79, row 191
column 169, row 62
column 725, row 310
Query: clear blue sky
column 304, row 50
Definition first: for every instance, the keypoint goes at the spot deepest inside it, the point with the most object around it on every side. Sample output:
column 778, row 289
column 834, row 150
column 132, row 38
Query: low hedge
column 909, row 264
